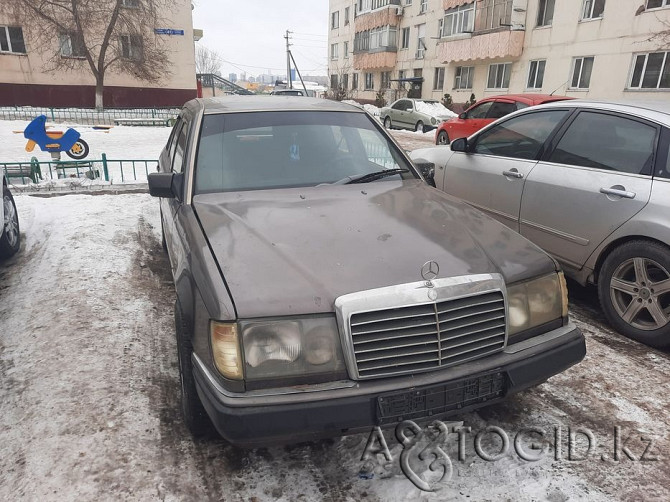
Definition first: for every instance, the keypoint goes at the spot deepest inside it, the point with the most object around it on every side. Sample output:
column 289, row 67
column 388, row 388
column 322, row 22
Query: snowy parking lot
column 90, row 392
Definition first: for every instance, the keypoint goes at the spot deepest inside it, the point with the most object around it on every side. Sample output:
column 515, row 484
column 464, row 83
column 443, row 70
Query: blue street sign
column 168, row 31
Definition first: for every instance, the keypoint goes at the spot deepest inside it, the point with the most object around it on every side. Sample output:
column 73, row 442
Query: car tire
column 631, row 303
column 387, row 122
column 195, row 417
column 419, row 127
column 10, row 241
column 442, row 138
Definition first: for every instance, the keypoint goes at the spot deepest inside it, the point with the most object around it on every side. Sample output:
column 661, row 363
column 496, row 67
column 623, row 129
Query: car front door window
column 479, row 111
column 520, row 137
column 500, row 109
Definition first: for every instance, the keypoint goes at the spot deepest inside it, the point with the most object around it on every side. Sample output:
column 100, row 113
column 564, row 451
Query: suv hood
column 294, row 251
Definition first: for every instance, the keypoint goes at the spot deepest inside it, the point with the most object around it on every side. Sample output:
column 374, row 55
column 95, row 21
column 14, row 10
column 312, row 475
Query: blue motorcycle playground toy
column 55, row 142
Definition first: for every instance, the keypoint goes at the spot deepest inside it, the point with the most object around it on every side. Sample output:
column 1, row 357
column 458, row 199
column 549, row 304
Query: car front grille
column 417, row 338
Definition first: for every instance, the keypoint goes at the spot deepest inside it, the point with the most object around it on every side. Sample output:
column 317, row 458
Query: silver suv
column 323, row 287
column 10, row 237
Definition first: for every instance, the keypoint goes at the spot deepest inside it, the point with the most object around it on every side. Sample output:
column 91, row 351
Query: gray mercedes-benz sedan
column 323, row 287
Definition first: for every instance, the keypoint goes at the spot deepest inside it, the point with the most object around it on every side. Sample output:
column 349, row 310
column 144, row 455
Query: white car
column 10, row 238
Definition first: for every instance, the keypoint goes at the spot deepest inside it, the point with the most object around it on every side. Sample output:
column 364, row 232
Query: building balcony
column 388, row 14
column 377, row 60
column 502, row 43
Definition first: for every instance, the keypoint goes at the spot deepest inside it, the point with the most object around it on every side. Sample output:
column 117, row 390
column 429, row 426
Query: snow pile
column 434, row 109
column 371, row 109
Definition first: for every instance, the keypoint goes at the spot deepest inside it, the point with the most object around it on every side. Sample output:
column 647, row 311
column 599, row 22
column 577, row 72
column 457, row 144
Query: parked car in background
column 287, row 92
column 414, row 114
column 324, row 288
column 588, row 182
column 10, row 237
column 488, row 110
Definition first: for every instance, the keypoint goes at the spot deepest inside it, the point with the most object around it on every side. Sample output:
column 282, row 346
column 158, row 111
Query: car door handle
column 513, row 174
column 619, row 192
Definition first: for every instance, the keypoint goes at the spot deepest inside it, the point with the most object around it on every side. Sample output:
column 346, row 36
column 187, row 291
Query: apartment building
column 28, row 75
column 600, row 49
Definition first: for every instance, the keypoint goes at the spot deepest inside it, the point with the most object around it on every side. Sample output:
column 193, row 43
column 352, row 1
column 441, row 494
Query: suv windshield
column 262, row 150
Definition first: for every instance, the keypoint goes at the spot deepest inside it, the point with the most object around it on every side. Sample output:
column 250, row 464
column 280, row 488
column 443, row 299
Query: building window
column 372, row 40
column 657, row 4
column 333, row 51
column 408, row 2
column 335, row 20
column 405, row 38
column 346, row 50
column 545, row 13
column 345, row 81
column 458, row 20
column 536, row 74
column 493, row 14
column 354, row 81
column 499, row 76
column 463, row 77
column 11, row 40
column 133, row 4
column 71, row 45
column 346, row 16
column 420, row 41
column 651, row 71
column 386, row 80
column 132, row 47
column 581, row 73
column 333, row 82
column 423, row 6
column 593, row 9
column 369, row 81
column 438, row 79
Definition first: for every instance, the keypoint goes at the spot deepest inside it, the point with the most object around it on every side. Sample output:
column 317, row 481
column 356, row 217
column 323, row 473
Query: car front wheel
column 10, row 241
column 634, row 291
column 196, row 418
column 442, row 138
column 387, row 122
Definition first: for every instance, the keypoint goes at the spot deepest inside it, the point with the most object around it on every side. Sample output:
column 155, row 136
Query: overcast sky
column 249, row 34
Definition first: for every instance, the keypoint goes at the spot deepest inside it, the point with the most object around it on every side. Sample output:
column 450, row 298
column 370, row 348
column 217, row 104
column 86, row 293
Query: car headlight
column 433, row 120
column 282, row 351
column 536, row 302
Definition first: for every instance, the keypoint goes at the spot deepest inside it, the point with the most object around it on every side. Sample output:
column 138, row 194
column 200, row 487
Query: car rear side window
column 500, row 109
column 519, row 137
column 605, row 141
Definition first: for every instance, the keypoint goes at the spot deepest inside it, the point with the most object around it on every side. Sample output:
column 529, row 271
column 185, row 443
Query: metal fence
column 110, row 170
column 90, row 116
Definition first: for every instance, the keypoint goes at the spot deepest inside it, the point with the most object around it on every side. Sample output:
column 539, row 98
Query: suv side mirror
column 459, row 145
column 463, row 116
column 166, row 185
column 427, row 170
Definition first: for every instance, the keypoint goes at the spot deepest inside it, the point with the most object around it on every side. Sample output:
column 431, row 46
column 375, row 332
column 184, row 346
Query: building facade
column 600, row 49
column 27, row 76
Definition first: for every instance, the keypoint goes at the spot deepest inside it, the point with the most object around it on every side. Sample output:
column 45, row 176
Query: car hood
column 294, row 251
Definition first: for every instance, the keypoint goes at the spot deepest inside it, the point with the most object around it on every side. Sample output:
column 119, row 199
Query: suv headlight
column 286, row 351
column 536, row 302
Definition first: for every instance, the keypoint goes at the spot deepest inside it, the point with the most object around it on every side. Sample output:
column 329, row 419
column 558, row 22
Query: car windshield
column 263, row 150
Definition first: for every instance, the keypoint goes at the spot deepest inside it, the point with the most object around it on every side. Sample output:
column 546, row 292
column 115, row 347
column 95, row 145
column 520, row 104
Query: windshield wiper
column 364, row 178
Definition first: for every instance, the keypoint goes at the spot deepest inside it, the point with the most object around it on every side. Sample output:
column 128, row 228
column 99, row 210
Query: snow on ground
column 89, row 401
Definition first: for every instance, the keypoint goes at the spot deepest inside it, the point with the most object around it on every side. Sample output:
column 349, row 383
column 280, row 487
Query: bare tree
column 104, row 35
column 207, row 60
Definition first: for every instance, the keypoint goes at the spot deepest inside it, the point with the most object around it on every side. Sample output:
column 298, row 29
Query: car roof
column 530, row 98
column 657, row 111
column 237, row 104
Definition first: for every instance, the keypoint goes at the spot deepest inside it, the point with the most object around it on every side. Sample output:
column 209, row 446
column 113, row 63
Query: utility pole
column 288, row 60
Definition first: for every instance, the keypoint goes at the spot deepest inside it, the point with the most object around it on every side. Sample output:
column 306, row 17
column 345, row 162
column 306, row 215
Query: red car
column 485, row 111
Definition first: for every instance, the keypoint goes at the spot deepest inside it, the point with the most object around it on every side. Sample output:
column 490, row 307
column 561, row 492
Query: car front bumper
column 258, row 419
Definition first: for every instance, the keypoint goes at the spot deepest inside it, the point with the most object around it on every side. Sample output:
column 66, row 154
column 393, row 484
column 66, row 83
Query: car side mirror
column 459, row 145
column 463, row 116
column 166, row 185
column 427, row 170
